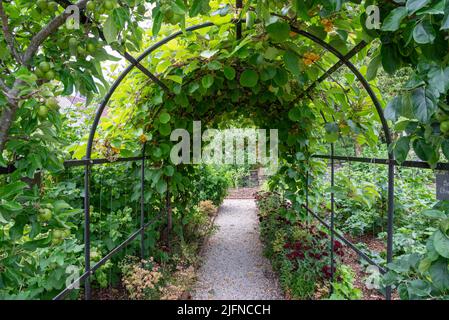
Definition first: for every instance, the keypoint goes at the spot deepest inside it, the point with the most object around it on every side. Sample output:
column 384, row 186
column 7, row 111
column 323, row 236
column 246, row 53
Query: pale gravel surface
column 233, row 264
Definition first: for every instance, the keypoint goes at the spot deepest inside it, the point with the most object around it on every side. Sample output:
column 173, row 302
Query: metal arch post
column 87, row 288
column 142, row 204
column 386, row 129
column 238, row 25
column 93, row 130
column 332, row 219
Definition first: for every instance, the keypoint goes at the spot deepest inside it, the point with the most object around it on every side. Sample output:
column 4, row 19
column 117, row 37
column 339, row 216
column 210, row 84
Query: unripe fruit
column 52, row 5
column 91, row 48
column 81, row 51
column 50, row 75
column 44, row 215
column 52, row 103
column 109, row 5
column 42, row 4
column 42, row 112
column 90, row 5
column 38, row 72
column 44, row 66
column 444, row 126
column 73, row 42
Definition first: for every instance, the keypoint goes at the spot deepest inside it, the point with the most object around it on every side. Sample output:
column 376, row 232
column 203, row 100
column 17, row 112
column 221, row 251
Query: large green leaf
column 440, row 274
column 423, row 104
column 110, row 30
column 393, row 21
column 401, row 149
column 291, row 61
column 161, row 186
column 441, row 243
column 249, row 78
column 279, row 31
column 415, row 5
column 424, row 32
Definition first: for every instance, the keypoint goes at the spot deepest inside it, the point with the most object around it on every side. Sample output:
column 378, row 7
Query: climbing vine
column 269, row 75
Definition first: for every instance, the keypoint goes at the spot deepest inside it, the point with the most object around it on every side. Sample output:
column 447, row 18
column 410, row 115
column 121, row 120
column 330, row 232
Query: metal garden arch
column 87, row 161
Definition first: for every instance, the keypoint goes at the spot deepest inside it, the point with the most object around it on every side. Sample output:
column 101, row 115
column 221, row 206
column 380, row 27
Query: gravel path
column 233, row 265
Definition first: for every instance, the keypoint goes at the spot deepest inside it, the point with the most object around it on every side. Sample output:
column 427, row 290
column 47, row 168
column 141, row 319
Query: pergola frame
column 88, row 162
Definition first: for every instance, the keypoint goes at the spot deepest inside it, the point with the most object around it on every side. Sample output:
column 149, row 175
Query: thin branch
column 4, row 87
column 8, row 35
column 42, row 35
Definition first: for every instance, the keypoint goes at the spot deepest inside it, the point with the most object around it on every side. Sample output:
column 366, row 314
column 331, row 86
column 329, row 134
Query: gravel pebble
column 233, row 264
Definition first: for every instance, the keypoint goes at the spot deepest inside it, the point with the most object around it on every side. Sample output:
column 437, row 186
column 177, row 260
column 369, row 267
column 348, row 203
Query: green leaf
column 393, row 21
column 229, row 72
column 445, row 22
column 440, row 274
column 391, row 59
column 294, row 114
column 291, row 61
column 373, row 66
column 110, row 30
column 164, row 118
column 207, row 81
column 169, row 171
column 165, row 129
column 11, row 189
column 279, row 31
column 434, row 214
column 197, row 7
column 424, row 32
column 281, row 77
column 418, row 288
column 439, row 79
column 445, row 148
column 161, row 186
column 10, row 205
column 178, row 7
column 423, row 104
column 393, row 109
column 401, row 149
column 441, row 243
column 425, row 151
column 157, row 20
column 249, row 78
column 414, row 5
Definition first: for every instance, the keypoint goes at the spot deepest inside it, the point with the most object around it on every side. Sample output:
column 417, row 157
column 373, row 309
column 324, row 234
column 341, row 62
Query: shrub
column 207, row 207
column 141, row 279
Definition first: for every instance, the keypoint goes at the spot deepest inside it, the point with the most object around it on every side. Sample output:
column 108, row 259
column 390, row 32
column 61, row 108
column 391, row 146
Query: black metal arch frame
column 87, row 162
column 343, row 60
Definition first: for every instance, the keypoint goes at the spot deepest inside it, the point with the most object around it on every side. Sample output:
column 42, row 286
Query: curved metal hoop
column 311, row 37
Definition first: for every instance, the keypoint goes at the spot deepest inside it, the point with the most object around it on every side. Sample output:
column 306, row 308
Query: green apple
column 50, row 75
column 44, row 66
column 42, row 4
column 44, row 215
column 109, row 5
column 42, row 112
column 73, row 42
column 91, row 48
column 52, row 103
column 91, row 5
column 38, row 72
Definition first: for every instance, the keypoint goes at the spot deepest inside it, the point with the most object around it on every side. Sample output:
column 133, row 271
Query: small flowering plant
column 141, row 278
column 299, row 250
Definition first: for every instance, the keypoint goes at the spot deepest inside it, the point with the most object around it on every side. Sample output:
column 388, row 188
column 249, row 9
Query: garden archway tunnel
column 135, row 63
